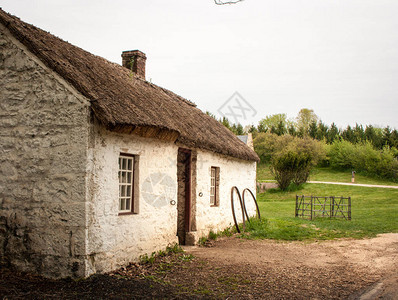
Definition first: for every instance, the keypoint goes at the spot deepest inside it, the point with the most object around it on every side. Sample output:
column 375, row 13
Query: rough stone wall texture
column 43, row 145
column 233, row 172
column 250, row 141
column 114, row 240
column 59, row 179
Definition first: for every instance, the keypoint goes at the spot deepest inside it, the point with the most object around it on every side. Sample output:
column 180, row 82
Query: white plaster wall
column 59, row 185
column 233, row 172
column 43, row 144
column 114, row 240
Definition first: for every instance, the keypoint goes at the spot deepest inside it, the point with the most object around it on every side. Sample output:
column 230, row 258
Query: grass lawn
column 328, row 174
column 264, row 172
column 374, row 211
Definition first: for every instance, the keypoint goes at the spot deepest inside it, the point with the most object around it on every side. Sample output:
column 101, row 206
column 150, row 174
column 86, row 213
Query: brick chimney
column 134, row 60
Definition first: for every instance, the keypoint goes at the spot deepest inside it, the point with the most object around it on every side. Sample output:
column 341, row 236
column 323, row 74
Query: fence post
column 296, row 214
column 311, row 207
column 349, row 208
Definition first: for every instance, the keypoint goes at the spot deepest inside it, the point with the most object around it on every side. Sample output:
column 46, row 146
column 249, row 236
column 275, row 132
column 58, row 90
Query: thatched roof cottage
column 98, row 165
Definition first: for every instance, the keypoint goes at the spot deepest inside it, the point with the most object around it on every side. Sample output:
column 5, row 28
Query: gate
column 325, row 207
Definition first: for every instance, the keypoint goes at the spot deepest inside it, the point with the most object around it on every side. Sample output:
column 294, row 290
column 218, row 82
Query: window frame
column 133, row 171
column 214, row 197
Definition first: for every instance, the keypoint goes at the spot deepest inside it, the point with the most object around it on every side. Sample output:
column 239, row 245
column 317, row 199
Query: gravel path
column 357, row 184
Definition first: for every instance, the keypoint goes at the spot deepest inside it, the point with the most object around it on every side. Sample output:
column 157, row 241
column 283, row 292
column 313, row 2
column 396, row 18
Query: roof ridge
column 120, row 100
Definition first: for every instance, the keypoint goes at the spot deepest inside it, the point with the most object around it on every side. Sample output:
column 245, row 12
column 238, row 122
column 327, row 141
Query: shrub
column 379, row 163
column 303, row 168
column 341, row 155
column 291, row 166
column 268, row 145
column 309, row 148
column 291, row 157
column 364, row 157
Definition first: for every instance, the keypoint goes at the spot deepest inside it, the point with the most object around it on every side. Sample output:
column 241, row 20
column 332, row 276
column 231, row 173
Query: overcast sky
column 337, row 57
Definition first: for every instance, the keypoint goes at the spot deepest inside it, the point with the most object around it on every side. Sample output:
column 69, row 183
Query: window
column 214, row 186
column 127, row 176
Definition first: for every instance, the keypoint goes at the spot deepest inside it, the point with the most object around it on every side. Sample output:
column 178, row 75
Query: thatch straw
column 120, row 100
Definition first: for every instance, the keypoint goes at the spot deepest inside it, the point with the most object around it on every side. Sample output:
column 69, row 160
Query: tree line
column 308, row 124
column 293, row 146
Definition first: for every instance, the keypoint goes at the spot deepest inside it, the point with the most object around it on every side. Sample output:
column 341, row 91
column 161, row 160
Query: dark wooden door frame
column 188, row 202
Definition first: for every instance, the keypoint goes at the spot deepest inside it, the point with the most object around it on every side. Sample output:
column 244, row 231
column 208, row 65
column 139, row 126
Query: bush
column 341, row 155
column 378, row 163
column 364, row 158
column 291, row 166
column 268, row 145
column 291, row 157
column 304, row 162
column 310, row 148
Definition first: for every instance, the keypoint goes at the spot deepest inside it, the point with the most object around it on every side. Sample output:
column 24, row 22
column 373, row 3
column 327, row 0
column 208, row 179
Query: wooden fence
column 326, row 207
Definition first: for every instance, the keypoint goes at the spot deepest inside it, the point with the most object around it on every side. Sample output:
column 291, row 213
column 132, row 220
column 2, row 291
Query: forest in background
column 301, row 143
column 308, row 124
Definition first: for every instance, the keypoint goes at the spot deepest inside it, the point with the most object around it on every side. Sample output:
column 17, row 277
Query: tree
column 281, row 128
column 332, row 134
column 374, row 135
column 304, row 118
column 359, row 134
column 322, row 131
column 238, row 129
column 276, row 123
column 292, row 130
column 261, row 128
column 348, row 134
column 225, row 122
column 394, row 138
column 387, row 136
column 312, row 130
column 251, row 129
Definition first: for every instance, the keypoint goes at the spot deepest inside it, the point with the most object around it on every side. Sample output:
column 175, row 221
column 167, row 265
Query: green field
column 374, row 211
column 326, row 174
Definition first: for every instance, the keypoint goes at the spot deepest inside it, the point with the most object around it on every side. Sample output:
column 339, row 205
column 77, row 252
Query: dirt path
column 357, row 184
column 321, row 270
column 235, row 268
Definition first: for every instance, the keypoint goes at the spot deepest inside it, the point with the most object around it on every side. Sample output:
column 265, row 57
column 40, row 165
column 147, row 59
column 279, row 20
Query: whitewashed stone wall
column 114, row 240
column 233, row 172
column 43, row 143
column 59, row 179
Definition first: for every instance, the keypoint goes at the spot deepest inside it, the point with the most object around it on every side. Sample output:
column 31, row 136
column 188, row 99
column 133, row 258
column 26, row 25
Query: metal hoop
column 255, row 202
column 233, row 208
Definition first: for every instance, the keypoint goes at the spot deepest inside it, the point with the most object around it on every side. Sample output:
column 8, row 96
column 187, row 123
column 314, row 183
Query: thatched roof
column 123, row 102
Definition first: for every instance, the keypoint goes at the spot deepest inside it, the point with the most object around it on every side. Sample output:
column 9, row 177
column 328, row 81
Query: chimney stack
column 134, row 60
